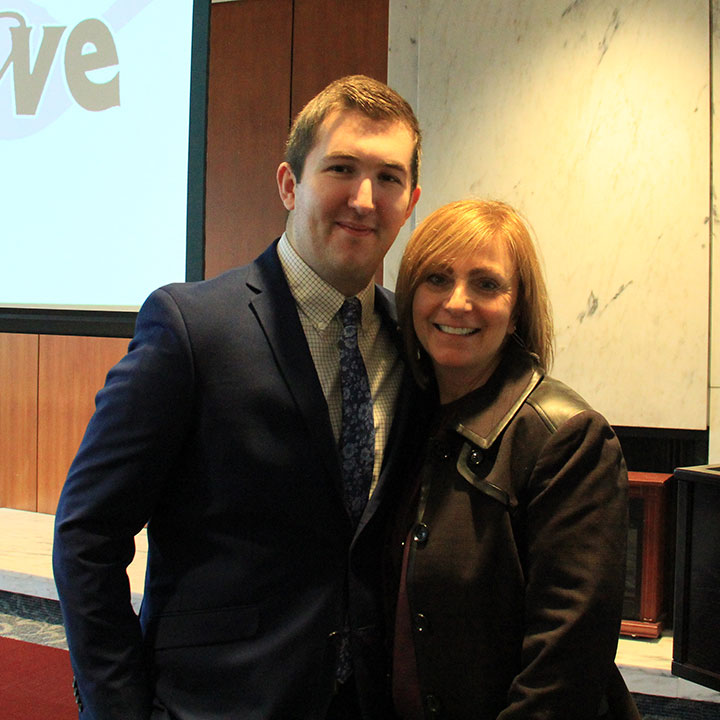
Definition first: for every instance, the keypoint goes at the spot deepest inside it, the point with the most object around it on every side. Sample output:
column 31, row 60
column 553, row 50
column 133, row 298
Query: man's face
column 353, row 198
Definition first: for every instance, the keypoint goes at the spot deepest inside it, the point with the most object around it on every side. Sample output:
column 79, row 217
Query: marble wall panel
column 403, row 35
column 714, row 440
column 593, row 119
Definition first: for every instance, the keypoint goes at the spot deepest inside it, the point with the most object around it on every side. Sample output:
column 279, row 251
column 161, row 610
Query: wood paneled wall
column 332, row 38
column 71, row 371
column 248, row 111
column 267, row 59
column 18, row 428
column 48, row 388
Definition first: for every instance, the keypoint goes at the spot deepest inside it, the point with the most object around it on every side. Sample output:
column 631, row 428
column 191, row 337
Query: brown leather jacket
column 516, row 564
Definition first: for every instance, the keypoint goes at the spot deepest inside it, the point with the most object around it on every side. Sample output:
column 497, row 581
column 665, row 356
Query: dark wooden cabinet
column 696, row 630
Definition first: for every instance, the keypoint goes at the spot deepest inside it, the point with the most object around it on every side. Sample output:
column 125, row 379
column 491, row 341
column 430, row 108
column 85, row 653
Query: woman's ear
column 512, row 325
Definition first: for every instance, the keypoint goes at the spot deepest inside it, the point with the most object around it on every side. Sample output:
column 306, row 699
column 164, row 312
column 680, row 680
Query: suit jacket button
column 420, row 533
column 422, row 624
column 76, row 693
column 432, row 703
column 441, row 450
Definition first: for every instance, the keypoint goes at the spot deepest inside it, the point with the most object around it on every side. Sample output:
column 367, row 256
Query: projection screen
column 102, row 156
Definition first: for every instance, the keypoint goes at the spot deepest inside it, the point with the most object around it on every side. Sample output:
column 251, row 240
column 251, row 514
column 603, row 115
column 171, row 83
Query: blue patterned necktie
column 357, row 438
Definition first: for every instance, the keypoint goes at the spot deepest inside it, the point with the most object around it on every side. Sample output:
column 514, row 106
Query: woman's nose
column 458, row 298
column 362, row 199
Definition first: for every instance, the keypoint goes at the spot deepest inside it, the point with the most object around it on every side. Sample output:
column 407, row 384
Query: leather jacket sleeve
column 573, row 522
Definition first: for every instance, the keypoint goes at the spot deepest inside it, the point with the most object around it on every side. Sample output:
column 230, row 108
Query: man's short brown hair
column 358, row 93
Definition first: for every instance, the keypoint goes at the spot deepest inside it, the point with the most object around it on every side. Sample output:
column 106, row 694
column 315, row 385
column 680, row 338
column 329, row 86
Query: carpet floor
column 36, row 682
column 35, row 669
column 653, row 707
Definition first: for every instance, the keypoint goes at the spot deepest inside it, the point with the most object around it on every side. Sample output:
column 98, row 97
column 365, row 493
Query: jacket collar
column 484, row 413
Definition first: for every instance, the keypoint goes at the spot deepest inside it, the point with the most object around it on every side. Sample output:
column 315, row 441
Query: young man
column 220, row 429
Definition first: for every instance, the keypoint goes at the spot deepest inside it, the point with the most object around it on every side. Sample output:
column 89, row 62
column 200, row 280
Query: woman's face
column 463, row 313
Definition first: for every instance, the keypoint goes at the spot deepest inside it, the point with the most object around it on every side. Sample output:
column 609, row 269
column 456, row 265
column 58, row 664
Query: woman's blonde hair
column 459, row 229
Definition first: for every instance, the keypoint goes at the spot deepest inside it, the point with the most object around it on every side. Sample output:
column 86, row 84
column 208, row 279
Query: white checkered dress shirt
column 318, row 305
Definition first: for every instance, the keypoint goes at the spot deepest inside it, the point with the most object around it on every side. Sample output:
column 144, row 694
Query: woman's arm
column 574, row 520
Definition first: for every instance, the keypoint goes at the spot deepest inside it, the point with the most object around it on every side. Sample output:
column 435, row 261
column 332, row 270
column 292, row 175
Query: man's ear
column 414, row 197
column 286, row 185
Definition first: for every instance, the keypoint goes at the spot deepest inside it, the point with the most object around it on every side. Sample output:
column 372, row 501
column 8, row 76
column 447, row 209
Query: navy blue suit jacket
column 215, row 432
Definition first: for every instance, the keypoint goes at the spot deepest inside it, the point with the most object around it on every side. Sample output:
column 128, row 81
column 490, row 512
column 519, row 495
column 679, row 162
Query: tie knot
column 351, row 312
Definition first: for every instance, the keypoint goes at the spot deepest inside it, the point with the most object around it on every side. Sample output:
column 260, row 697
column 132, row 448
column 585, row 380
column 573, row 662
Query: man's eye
column 341, row 169
column 387, row 177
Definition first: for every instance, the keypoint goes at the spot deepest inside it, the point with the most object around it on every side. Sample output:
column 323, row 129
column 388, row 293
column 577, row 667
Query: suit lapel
column 402, row 426
column 276, row 312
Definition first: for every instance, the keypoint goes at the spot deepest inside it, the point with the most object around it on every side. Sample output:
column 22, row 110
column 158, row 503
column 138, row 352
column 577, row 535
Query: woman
column 511, row 557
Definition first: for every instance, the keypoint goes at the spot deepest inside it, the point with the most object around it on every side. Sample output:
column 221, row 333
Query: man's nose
column 362, row 199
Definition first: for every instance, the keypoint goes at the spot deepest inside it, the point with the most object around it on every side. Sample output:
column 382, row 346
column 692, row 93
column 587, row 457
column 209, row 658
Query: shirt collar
column 315, row 297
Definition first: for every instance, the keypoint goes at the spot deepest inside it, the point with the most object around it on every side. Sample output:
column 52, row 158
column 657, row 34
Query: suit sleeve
column 121, row 470
column 575, row 533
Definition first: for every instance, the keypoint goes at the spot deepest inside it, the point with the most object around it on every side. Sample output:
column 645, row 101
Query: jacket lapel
column 274, row 307
column 401, row 429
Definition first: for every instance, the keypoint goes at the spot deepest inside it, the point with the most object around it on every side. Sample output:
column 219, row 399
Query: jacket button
column 422, row 624
column 441, row 450
column 474, row 458
column 420, row 533
column 432, row 703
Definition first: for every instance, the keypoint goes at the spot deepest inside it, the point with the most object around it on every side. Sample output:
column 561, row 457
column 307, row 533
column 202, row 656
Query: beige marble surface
column 593, row 119
column 26, row 556
column 25, row 567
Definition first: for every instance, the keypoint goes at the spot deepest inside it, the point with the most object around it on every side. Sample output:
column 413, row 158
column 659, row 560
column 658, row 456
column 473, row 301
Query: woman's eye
column 437, row 279
column 488, row 285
